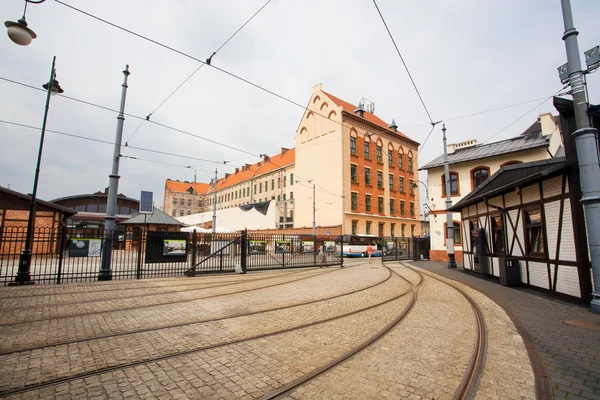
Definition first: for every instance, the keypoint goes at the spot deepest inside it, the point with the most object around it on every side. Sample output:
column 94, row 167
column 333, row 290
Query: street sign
column 328, row 232
column 146, row 203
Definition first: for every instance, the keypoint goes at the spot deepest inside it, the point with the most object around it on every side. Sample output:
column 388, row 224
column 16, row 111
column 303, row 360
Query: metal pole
column 314, row 212
column 586, row 143
column 105, row 273
column 214, row 217
column 449, row 221
column 23, row 274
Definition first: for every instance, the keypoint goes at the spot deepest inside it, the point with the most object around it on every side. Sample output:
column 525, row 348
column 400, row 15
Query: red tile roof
column 183, row 186
column 349, row 108
column 258, row 169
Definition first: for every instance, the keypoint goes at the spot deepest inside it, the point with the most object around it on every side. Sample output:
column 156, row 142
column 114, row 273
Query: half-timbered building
column 526, row 226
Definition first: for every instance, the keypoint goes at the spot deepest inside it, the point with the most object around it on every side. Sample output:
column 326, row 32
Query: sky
column 465, row 57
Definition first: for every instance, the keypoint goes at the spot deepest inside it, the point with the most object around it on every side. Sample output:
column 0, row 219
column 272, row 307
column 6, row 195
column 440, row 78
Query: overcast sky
column 465, row 56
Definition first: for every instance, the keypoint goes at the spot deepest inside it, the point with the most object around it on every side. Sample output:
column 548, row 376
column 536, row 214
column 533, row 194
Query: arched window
column 367, row 147
column 511, row 162
column 400, row 159
column 479, row 175
column 454, row 184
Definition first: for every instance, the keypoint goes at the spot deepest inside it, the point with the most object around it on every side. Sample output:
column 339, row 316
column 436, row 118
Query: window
column 391, row 179
column 412, row 209
column 368, row 231
column 379, row 179
column 182, row 202
column 454, row 188
column 380, row 204
column 174, row 213
column 94, row 208
column 284, row 196
column 497, row 234
column 278, row 183
column 409, row 162
column 284, row 181
column 412, row 230
column 291, row 179
column 353, row 177
column 478, row 176
column 122, row 209
column 392, row 206
column 390, row 156
column 189, row 212
column 367, row 150
column 200, row 203
column 272, row 184
column 411, row 186
column 354, row 201
column 254, row 188
column 278, row 197
column 174, row 202
column 400, row 163
column 401, row 185
column 189, row 202
column 456, row 232
column 392, row 229
column 533, row 232
column 354, row 227
column 352, row 145
column 402, row 209
column 381, row 228
column 260, row 187
column 368, row 202
column 181, row 213
column 367, row 176
column 291, row 195
column 378, row 153
column 402, row 232
column 102, row 208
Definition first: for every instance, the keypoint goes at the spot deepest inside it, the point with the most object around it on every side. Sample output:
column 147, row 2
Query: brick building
column 184, row 198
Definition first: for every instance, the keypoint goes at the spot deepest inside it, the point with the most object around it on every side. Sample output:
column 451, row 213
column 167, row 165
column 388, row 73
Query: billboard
column 85, row 247
column 146, row 202
column 283, row 246
column 257, row 247
column 174, row 247
column 308, row 246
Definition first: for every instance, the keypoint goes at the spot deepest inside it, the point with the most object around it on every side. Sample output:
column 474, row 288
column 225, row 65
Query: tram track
column 468, row 385
column 132, row 286
column 99, row 371
column 195, row 288
column 164, row 303
column 199, row 321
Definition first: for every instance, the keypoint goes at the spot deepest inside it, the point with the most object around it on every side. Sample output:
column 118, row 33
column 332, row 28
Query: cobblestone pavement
column 570, row 354
column 221, row 347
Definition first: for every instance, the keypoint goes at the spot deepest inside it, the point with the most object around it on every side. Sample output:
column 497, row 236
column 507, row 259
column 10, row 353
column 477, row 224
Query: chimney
column 393, row 126
column 248, row 166
column 266, row 158
column 461, row 145
column 227, row 176
column 283, row 150
column 360, row 110
column 237, row 170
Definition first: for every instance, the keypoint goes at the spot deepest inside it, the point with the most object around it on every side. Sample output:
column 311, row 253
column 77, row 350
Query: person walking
column 369, row 252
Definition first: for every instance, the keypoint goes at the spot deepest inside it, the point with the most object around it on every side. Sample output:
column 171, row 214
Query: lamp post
column 449, row 221
column 416, row 185
column 586, row 142
column 18, row 31
column 23, row 275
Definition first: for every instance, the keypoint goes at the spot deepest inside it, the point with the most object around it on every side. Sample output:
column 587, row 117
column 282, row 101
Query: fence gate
column 405, row 248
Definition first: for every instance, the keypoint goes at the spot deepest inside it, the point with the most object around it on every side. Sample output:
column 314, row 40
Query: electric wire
column 194, row 73
column 403, row 62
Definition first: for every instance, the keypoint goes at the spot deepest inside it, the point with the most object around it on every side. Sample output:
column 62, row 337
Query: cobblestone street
column 367, row 331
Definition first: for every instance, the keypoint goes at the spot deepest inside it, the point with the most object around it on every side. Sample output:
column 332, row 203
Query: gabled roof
column 511, row 176
column 476, row 152
column 349, row 108
column 280, row 160
column 184, row 186
column 26, row 199
column 157, row 217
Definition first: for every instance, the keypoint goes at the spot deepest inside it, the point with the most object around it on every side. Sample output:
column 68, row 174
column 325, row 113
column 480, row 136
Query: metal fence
column 252, row 252
column 405, row 248
column 65, row 254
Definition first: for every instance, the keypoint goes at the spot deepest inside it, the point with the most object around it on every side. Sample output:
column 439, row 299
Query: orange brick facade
column 440, row 255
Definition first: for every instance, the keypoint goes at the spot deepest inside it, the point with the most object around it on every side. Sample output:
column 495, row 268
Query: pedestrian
column 369, row 252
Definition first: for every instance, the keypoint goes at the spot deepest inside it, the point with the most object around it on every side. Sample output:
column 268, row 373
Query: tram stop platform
column 399, row 330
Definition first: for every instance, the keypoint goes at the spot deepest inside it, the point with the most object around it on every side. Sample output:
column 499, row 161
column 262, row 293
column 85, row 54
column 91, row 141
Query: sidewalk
column 570, row 354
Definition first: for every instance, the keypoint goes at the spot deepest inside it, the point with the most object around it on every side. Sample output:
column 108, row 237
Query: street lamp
column 18, row 31
column 23, row 276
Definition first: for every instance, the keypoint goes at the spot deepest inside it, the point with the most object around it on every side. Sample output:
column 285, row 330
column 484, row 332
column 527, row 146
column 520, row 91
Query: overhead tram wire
column 112, row 143
column 197, row 69
column 523, row 115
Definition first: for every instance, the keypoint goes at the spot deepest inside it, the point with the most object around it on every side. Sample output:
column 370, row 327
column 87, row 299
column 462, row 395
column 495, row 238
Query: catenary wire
column 196, row 70
column 403, row 62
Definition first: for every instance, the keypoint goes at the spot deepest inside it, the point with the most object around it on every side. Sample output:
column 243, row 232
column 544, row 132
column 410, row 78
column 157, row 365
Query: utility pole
column 449, row 221
column 214, row 218
column 105, row 273
column 586, row 143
